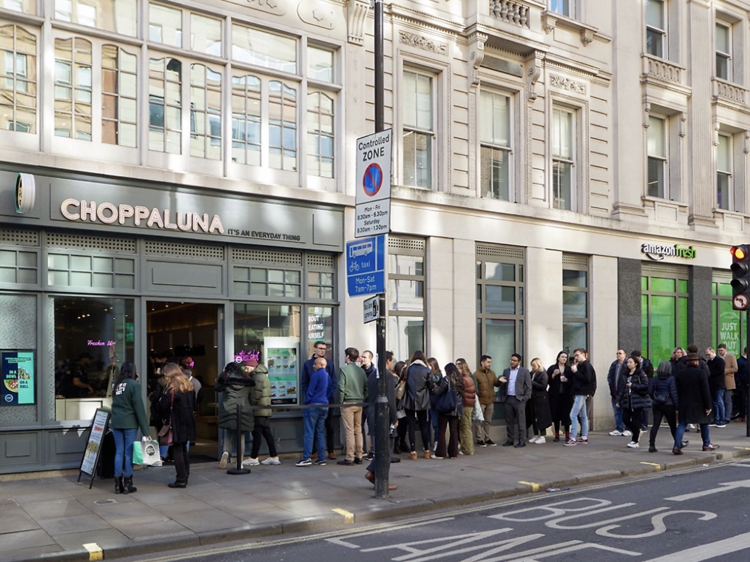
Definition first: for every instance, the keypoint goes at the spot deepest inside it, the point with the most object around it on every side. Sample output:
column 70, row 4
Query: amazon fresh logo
column 658, row 252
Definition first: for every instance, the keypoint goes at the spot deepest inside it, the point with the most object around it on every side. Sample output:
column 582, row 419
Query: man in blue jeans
column 717, row 385
column 613, row 378
column 584, row 385
column 315, row 418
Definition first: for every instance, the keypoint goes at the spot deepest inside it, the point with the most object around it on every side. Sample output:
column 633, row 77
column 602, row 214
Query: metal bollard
column 238, row 446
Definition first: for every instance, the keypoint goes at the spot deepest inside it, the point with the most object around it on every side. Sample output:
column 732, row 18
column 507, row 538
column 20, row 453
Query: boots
column 118, row 484
column 128, row 487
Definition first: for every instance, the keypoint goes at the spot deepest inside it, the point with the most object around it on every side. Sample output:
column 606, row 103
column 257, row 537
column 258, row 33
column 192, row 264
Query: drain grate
column 104, row 502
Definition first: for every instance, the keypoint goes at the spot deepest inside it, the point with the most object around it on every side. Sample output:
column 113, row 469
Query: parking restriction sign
column 373, row 195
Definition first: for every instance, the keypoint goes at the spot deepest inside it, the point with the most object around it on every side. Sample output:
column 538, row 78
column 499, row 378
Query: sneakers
column 223, row 461
column 584, row 440
column 720, row 425
column 633, row 444
column 434, row 447
column 571, row 442
column 304, row 462
column 691, row 426
column 627, row 433
column 541, row 440
column 480, row 443
column 271, row 460
column 616, row 433
column 652, row 449
column 490, row 443
column 533, row 439
column 320, row 462
column 251, row 462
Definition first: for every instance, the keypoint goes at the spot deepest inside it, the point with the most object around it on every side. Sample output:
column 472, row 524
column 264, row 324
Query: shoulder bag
column 165, row 433
column 447, row 401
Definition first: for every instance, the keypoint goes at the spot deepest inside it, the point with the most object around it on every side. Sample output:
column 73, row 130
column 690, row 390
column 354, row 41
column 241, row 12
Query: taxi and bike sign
column 365, row 266
column 373, row 194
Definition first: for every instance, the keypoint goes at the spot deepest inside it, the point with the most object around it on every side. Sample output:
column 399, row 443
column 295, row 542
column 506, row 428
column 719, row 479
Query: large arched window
column 73, row 83
column 119, row 96
column 246, row 120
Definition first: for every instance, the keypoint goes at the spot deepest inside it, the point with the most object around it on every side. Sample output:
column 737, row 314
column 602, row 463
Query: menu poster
column 93, row 446
column 281, row 360
column 17, row 368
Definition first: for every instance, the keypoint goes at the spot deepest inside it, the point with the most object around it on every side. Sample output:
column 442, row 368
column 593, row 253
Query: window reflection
column 246, row 120
column 205, row 35
column 110, row 15
column 165, row 105
column 17, row 79
column 73, row 83
column 320, row 135
column 319, row 64
column 205, row 112
column 282, row 110
column 118, row 96
column 165, row 25
column 261, row 48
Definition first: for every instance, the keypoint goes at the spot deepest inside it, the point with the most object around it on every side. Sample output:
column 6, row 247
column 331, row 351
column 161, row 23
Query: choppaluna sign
column 658, row 252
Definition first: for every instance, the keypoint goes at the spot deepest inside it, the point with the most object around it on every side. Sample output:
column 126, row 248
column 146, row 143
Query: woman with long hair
column 399, row 445
column 128, row 414
column 435, row 376
column 664, row 402
column 632, row 397
column 560, row 394
column 235, row 381
column 177, row 405
column 451, row 381
column 469, row 397
column 417, row 402
column 537, row 409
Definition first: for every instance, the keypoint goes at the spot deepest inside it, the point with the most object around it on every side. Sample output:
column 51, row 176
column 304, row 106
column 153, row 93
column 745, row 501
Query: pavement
column 52, row 517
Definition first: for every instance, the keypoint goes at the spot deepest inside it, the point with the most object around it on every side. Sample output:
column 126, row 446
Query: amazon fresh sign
column 658, row 252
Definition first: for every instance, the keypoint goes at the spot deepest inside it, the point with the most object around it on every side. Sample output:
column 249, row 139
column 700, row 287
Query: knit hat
column 247, row 359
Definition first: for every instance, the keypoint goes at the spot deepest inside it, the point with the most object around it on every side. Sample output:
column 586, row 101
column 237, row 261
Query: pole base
column 238, row 471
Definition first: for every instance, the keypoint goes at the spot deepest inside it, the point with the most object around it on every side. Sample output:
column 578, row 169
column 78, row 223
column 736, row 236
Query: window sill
column 726, row 91
column 551, row 20
column 653, row 201
column 725, row 213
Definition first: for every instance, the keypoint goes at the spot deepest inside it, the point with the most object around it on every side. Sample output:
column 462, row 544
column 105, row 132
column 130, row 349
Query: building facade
column 180, row 176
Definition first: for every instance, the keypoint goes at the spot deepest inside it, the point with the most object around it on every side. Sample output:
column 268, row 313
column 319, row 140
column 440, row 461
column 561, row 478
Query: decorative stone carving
column 549, row 22
column 356, row 15
column 510, row 11
column 476, row 56
column 316, row 13
column 276, row 7
column 587, row 36
column 533, row 71
column 731, row 93
column 423, row 43
column 564, row 83
column 663, row 71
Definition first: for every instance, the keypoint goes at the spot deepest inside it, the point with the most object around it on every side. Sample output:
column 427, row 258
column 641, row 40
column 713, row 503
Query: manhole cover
column 104, row 502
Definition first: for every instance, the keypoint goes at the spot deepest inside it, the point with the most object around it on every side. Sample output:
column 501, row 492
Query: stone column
column 699, row 308
column 629, row 313
column 439, row 304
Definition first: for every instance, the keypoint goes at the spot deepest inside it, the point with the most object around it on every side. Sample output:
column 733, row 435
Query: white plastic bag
column 151, row 456
column 477, row 415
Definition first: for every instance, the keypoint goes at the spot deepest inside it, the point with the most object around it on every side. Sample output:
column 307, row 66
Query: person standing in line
column 353, row 389
column 319, row 350
column 451, row 381
column 372, row 397
column 486, row 380
column 390, row 394
column 435, row 376
column 469, row 399
column 417, row 402
column 632, row 397
column 537, row 409
column 730, row 368
column 664, row 402
column 648, row 369
column 177, row 404
column 314, row 418
column 677, row 354
column 584, row 385
column 694, row 399
column 128, row 414
column 613, row 380
column 260, row 395
column 371, row 370
column 560, row 392
column 235, row 382
column 515, row 391
column 717, row 385
column 740, row 380
column 399, row 371
column 187, row 364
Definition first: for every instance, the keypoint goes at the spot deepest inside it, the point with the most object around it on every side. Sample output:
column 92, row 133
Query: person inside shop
column 77, row 383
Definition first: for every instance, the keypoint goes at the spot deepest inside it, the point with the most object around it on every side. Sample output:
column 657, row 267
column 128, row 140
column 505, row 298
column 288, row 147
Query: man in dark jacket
column 372, row 379
column 584, row 385
column 320, row 349
column 390, row 394
column 740, row 380
column 316, row 395
column 716, row 385
column 613, row 378
column 694, row 403
column 515, row 391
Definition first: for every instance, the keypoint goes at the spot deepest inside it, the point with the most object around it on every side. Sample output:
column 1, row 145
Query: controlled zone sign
column 373, row 193
column 365, row 266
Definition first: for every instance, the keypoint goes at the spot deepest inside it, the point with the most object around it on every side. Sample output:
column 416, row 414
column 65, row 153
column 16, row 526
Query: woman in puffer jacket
column 417, row 402
column 664, row 402
column 451, row 381
column 465, row 422
column 235, row 383
column 632, row 397
column 260, row 395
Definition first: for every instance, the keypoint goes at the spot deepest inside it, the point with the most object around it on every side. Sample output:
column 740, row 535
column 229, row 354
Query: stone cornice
column 424, row 20
column 574, row 67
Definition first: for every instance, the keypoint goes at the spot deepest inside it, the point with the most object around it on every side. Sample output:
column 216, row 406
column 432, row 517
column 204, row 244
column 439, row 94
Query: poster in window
column 17, row 378
column 281, row 360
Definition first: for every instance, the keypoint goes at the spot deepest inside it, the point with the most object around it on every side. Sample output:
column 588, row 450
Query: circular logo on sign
column 8, row 398
column 373, row 179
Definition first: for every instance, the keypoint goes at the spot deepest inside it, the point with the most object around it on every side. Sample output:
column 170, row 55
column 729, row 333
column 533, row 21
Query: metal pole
column 382, row 442
column 746, row 398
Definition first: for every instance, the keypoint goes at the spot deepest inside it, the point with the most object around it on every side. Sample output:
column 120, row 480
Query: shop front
column 94, row 273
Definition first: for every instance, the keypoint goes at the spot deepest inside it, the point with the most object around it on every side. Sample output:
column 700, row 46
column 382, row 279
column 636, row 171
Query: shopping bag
column 477, row 415
column 137, row 453
column 151, row 456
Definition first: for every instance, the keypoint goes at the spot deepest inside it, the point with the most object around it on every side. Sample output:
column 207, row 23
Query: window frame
column 396, row 248
column 431, row 133
column 569, row 13
column 509, row 150
column 728, row 175
column 662, row 33
column 666, row 191
column 575, row 263
column 727, row 57
column 16, row 77
column 647, row 293
column 562, row 160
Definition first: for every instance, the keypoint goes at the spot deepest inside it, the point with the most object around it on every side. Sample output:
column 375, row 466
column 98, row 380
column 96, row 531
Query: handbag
column 400, row 390
column 146, row 453
column 447, row 402
column 477, row 415
column 166, row 436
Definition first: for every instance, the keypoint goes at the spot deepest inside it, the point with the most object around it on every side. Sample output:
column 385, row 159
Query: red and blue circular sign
column 373, row 179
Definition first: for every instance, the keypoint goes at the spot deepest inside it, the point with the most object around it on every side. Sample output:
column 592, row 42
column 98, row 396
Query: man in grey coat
column 515, row 391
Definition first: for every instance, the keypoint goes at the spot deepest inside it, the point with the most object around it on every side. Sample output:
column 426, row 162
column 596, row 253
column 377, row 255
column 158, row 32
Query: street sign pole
column 382, row 425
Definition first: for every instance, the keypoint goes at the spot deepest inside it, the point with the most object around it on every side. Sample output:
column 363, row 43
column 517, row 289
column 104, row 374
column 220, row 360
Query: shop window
column 500, row 302
column 165, row 25
column 563, row 159
column 419, row 128
column 118, row 16
column 274, row 330
column 119, row 97
column 17, row 79
column 261, row 48
column 205, row 112
column 728, row 326
column 320, row 138
column 320, row 328
column 23, row 6
column 264, row 282
column 656, row 28
column 92, row 338
column 664, row 315
column 495, row 138
column 73, row 88
column 575, row 303
column 91, row 272
column 165, row 105
column 320, row 285
column 18, row 267
column 406, row 292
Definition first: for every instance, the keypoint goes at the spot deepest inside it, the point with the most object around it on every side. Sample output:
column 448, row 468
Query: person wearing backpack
column 664, row 402
column 449, row 408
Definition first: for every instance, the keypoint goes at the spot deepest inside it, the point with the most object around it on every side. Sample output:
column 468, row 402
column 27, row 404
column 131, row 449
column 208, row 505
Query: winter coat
column 469, row 395
column 694, row 395
column 446, row 384
column 584, row 379
column 663, row 385
column 236, row 392
column 730, row 368
column 716, row 380
column 486, row 382
column 180, row 412
column 127, row 407
column 560, row 394
column 352, row 383
column 740, row 377
column 612, row 379
column 390, row 394
column 154, row 411
column 307, row 371
column 417, row 395
column 635, row 397
column 260, row 394
column 539, row 403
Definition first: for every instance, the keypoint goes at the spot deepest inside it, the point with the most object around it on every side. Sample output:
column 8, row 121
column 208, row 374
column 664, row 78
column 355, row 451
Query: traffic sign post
column 373, row 196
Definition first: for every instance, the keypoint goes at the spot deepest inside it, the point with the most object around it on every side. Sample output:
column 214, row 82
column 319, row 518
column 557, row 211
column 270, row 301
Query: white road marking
column 708, row 551
column 657, row 521
column 385, row 529
column 726, row 486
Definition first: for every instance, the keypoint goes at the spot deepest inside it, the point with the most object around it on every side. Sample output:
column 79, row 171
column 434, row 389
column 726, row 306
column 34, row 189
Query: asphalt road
column 688, row 516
